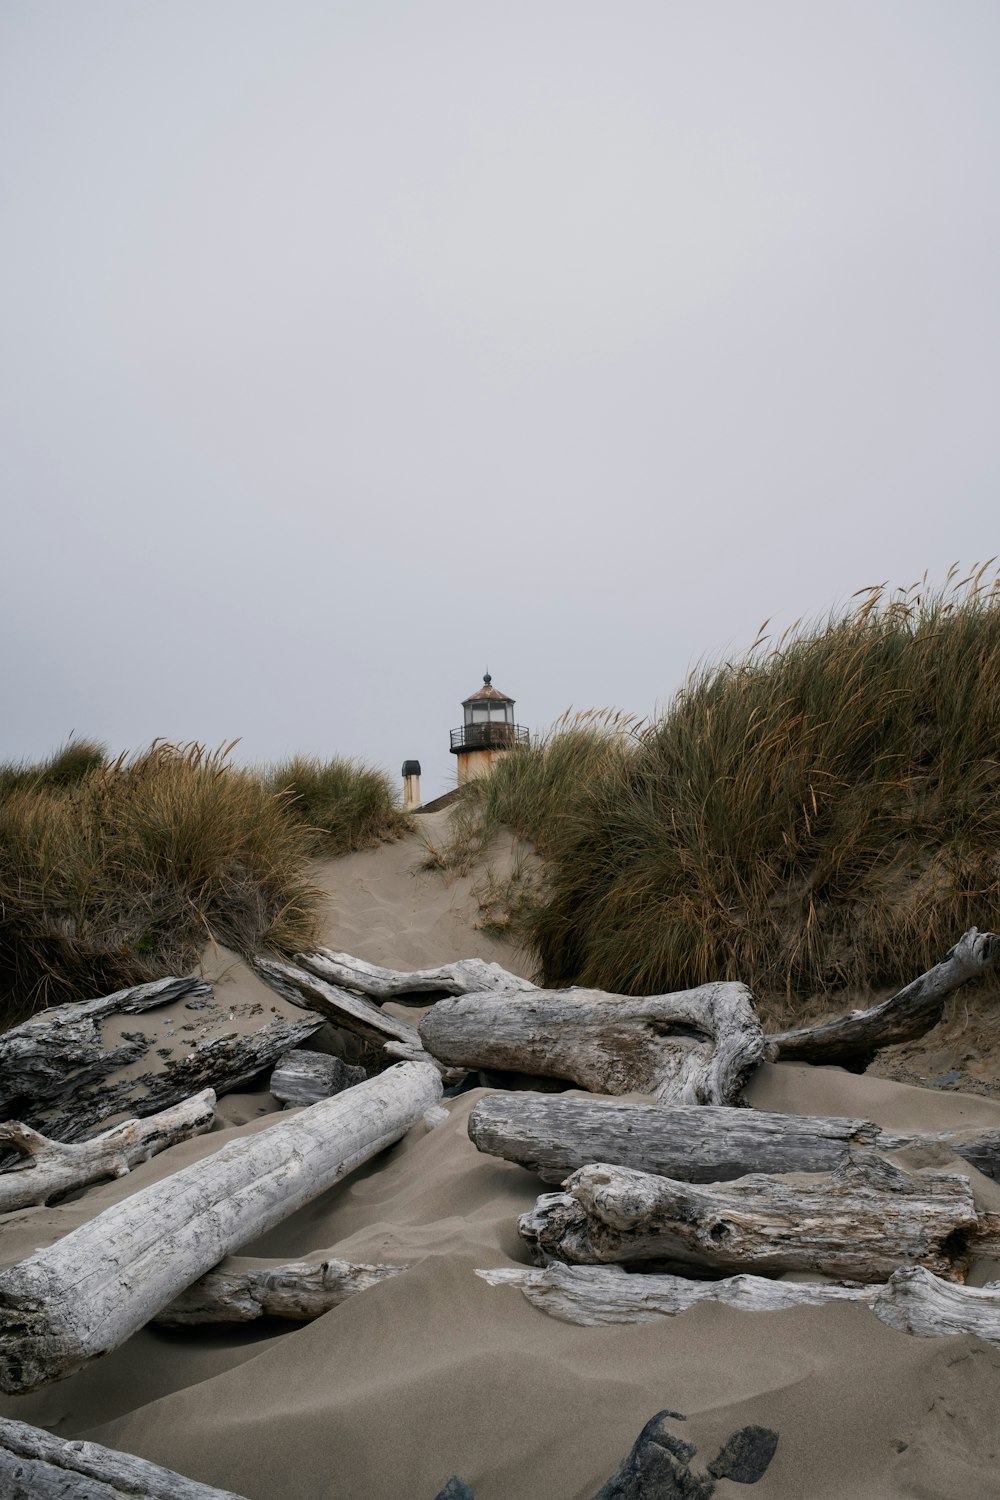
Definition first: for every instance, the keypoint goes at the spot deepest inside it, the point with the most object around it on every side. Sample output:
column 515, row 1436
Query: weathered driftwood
column 84, row 1295
column 34, row 1465
column 302, row 1077
column 336, row 1004
column 914, row 1300
column 694, row 1047
column 52, row 1167
column 853, row 1040
column 465, row 976
column 61, row 1047
column 554, row 1134
column 54, row 1067
column 239, row 1291
column 862, row 1221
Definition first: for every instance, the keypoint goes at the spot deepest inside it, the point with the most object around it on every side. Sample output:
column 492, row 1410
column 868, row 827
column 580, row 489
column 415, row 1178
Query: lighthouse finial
column 486, row 677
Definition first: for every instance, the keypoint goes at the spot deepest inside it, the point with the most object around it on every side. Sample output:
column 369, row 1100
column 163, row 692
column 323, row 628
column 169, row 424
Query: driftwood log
column 84, row 1295
column 34, row 1465
column 913, row 1300
column 55, row 1067
column 853, row 1040
column 240, row 1291
column 53, row 1168
column 862, row 1222
column 695, row 1047
column 554, row 1134
column 336, row 1004
column 302, row 1077
column 465, row 976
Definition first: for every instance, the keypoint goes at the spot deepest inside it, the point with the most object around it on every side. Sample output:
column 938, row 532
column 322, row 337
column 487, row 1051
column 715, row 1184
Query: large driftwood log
column 240, row 1291
column 695, row 1047
column 34, row 1465
column 853, row 1040
column 465, row 976
column 553, row 1135
column 52, row 1168
column 84, row 1295
column 55, row 1067
column 861, row 1222
column 913, row 1301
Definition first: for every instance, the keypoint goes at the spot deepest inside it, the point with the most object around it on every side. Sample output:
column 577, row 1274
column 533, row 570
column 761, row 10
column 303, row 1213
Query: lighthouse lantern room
column 487, row 732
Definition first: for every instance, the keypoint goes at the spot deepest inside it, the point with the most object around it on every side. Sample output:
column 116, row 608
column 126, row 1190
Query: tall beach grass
column 822, row 814
column 112, row 873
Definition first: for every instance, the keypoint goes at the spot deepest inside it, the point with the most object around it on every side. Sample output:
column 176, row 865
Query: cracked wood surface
column 240, row 1291
column 694, row 1047
column 862, row 1222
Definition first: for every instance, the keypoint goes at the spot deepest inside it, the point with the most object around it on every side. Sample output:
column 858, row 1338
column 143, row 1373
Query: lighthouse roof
column 487, row 693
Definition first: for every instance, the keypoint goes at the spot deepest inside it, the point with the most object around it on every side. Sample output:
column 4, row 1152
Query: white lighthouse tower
column 488, row 731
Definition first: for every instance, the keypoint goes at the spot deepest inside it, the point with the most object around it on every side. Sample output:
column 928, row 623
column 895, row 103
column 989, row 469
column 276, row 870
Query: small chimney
column 411, row 785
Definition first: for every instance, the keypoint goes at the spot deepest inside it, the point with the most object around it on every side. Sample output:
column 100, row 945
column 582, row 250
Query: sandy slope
column 434, row 1372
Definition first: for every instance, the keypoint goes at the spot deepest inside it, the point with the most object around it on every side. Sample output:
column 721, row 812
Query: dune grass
column 112, row 873
column 348, row 806
column 823, row 814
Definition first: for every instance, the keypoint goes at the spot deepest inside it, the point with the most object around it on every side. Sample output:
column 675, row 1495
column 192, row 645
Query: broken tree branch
column 853, row 1040
column 53, row 1167
column 914, row 1300
column 465, row 976
column 239, row 1291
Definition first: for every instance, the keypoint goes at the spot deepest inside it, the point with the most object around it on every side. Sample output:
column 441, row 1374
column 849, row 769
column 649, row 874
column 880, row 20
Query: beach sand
column 434, row 1372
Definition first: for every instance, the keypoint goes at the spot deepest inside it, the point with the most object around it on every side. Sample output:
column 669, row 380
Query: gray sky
column 346, row 349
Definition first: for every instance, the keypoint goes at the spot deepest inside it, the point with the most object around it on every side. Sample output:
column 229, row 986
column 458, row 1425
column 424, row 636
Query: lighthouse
column 488, row 731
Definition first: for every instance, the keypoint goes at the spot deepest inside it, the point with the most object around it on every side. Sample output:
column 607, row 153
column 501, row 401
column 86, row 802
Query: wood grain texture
column 463, row 977
column 240, row 1291
column 34, row 1465
column 53, row 1167
column 862, row 1222
column 695, row 1047
column 913, row 1300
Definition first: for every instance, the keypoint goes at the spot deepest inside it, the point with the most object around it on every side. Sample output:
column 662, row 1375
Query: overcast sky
column 349, row 349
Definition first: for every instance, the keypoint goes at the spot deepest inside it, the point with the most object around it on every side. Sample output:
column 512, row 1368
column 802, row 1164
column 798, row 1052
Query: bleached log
column 302, row 1077
column 861, row 1222
column 853, row 1040
column 336, row 1004
column 239, row 1291
column 914, row 1300
column 694, row 1047
column 553, row 1135
column 53, row 1168
column 465, row 976
column 34, row 1465
column 77, row 1299
column 55, row 1067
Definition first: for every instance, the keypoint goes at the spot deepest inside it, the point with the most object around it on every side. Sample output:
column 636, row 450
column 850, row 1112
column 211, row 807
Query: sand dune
column 434, row 1372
